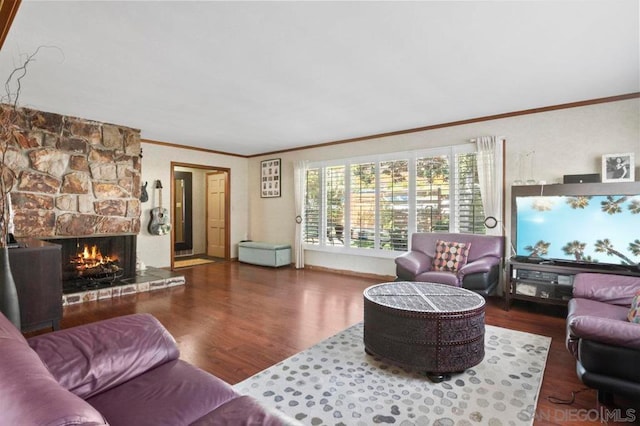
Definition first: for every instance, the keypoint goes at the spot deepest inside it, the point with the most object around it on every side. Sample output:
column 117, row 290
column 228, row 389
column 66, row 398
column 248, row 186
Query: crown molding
column 194, row 148
column 461, row 122
column 418, row 129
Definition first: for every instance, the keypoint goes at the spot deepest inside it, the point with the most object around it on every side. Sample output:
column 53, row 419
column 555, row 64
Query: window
column 372, row 205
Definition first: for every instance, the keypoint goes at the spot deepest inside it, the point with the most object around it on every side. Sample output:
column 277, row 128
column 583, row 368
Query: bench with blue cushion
column 264, row 254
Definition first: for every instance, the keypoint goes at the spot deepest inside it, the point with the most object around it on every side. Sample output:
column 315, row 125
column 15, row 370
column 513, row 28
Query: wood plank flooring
column 234, row 320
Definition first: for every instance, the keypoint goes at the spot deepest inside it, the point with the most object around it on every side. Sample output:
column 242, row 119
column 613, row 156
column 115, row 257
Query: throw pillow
column 634, row 311
column 450, row 256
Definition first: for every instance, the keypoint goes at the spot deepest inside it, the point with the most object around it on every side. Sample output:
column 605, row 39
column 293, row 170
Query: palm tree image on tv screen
column 597, row 229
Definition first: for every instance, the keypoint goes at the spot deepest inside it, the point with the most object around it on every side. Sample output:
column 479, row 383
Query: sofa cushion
column 450, row 256
column 438, row 277
column 31, row 396
column 175, row 393
column 634, row 310
column 245, row 410
column 94, row 357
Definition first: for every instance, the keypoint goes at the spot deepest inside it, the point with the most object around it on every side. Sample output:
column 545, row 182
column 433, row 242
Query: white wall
column 568, row 141
column 156, row 164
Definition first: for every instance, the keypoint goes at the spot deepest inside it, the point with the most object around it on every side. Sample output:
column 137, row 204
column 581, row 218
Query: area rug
column 336, row 383
column 191, row 262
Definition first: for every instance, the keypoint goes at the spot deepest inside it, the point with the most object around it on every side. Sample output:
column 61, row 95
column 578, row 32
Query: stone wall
column 75, row 177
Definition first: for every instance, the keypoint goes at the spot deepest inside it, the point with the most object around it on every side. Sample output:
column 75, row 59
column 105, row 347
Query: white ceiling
column 256, row 77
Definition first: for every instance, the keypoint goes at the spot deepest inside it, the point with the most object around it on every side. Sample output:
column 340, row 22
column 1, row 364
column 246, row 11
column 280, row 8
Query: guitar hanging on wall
column 159, row 223
column 144, row 196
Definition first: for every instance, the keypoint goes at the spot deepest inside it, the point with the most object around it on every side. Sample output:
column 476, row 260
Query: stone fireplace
column 75, row 177
column 78, row 183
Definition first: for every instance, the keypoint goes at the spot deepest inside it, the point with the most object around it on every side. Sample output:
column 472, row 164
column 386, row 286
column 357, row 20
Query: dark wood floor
column 234, row 320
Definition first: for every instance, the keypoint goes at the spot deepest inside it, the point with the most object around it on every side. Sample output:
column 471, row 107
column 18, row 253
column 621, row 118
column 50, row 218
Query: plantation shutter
column 432, row 194
column 311, row 229
column 334, row 213
column 362, row 205
column 394, row 204
column 366, row 204
column 469, row 215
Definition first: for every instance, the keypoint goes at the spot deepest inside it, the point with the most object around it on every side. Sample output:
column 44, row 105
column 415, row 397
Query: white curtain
column 299, row 176
column 490, row 170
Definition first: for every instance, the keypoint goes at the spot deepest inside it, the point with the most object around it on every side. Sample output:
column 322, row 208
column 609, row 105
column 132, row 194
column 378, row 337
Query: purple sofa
column 121, row 371
column 606, row 345
column 481, row 273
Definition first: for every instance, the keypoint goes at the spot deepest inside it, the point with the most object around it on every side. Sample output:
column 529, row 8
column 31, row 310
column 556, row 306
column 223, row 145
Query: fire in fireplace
column 92, row 264
column 96, row 262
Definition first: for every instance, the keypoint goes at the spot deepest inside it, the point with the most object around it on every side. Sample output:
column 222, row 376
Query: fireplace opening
column 96, row 262
column 90, row 263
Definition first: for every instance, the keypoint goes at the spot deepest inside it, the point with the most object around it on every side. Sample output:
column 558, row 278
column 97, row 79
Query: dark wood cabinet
column 550, row 282
column 37, row 271
column 539, row 283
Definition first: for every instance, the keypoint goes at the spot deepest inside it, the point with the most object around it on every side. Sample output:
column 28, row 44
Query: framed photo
column 270, row 178
column 618, row 167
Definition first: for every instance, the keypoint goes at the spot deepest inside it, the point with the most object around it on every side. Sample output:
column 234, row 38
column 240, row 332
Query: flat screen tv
column 588, row 223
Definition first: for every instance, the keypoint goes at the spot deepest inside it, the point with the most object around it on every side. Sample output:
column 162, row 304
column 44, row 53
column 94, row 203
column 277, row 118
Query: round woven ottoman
column 436, row 328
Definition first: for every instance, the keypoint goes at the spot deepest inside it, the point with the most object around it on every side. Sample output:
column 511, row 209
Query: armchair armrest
column 607, row 288
column 483, row 264
column 95, row 357
column 412, row 263
column 605, row 330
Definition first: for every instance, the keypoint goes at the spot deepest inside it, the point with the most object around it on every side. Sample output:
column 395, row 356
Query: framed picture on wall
column 270, row 178
column 618, row 167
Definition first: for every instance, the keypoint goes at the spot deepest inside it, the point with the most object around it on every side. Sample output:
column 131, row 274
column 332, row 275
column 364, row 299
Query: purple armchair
column 606, row 345
column 121, row 371
column 481, row 273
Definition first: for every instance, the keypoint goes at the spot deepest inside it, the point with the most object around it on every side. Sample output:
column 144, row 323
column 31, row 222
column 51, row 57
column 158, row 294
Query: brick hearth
column 149, row 279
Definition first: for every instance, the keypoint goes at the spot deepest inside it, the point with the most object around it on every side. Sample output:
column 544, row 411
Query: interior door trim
column 227, row 196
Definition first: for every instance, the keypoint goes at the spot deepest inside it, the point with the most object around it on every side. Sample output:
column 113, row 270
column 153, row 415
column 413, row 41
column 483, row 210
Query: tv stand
column 550, row 281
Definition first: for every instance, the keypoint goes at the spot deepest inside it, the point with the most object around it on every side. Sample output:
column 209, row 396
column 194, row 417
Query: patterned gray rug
column 336, row 383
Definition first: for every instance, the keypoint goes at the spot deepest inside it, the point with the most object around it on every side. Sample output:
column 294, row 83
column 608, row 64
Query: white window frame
column 411, row 156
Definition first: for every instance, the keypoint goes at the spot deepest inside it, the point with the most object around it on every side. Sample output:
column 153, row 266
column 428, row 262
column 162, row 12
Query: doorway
column 200, row 213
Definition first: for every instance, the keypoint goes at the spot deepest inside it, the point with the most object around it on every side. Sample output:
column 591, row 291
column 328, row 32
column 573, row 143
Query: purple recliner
column 480, row 274
column 606, row 345
column 121, row 371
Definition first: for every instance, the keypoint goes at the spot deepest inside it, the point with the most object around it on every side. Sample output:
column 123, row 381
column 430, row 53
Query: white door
column 216, row 209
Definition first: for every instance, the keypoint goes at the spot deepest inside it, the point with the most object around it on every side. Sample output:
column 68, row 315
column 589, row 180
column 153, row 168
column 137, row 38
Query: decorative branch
column 18, row 74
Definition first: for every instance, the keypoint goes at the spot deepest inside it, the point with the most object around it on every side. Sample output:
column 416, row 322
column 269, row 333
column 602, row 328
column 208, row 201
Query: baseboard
column 382, row 278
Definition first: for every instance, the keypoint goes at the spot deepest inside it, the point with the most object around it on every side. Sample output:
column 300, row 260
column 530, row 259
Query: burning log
column 91, row 263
